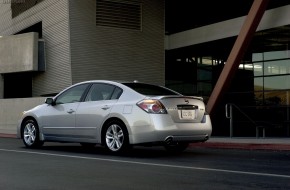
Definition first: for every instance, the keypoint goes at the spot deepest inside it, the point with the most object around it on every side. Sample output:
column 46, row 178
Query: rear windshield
column 150, row 90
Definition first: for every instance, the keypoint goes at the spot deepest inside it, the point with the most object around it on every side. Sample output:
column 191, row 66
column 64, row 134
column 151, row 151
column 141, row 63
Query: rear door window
column 100, row 91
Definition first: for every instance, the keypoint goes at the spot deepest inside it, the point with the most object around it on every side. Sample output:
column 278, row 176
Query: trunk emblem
column 186, row 101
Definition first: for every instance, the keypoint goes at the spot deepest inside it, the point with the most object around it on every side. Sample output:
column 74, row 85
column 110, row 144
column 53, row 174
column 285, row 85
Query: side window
column 117, row 93
column 100, row 92
column 71, row 95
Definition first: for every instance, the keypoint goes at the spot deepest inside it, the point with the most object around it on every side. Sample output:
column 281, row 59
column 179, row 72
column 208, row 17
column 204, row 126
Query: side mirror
column 49, row 101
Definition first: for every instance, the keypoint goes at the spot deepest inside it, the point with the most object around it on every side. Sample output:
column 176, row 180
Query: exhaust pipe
column 168, row 140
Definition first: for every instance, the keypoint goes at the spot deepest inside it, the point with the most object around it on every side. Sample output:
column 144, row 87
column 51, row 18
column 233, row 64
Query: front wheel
column 115, row 137
column 30, row 134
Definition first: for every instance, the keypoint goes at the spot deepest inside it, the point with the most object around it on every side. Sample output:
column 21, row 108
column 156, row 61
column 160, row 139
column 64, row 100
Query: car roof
column 115, row 82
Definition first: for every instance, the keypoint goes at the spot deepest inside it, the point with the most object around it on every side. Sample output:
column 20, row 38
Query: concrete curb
column 245, row 146
column 8, row 135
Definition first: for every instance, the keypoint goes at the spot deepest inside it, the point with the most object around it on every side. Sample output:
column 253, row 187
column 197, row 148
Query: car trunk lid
column 183, row 108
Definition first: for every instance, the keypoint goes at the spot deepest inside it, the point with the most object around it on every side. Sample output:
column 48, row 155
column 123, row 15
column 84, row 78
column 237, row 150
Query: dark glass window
column 185, row 15
column 17, row 85
column 117, row 93
column 102, row 92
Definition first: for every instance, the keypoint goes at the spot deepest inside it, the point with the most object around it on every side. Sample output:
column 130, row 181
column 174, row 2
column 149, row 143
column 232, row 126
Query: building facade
column 85, row 40
column 181, row 44
column 48, row 45
column 259, row 92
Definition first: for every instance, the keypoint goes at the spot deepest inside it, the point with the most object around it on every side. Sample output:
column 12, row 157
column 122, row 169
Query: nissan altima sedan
column 117, row 115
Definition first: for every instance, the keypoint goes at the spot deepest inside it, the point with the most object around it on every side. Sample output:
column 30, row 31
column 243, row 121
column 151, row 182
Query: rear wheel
column 30, row 132
column 115, row 137
column 176, row 147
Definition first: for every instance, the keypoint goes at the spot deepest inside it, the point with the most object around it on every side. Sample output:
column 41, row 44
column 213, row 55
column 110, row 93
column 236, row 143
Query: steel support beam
column 244, row 38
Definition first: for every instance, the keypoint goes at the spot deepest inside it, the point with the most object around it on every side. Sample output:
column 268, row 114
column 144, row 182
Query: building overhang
column 19, row 53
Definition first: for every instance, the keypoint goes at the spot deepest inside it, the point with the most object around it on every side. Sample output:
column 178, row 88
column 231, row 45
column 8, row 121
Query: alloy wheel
column 114, row 137
column 29, row 134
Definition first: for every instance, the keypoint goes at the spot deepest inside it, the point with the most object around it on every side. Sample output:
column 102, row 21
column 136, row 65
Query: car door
column 95, row 109
column 59, row 119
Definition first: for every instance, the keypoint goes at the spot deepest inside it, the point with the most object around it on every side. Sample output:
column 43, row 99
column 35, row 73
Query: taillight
column 204, row 117
column 152, row 106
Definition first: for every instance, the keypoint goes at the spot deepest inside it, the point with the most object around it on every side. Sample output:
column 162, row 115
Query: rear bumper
column 162, row 131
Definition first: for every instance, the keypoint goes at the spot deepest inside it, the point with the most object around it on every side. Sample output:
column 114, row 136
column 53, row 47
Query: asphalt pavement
column 250, row 143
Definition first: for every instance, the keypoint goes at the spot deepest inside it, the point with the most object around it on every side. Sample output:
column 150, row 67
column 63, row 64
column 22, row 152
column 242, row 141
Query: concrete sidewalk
column 249, row 143
column 3, row 135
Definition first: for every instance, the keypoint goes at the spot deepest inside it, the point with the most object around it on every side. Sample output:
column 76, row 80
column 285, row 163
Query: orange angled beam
column 247, row 32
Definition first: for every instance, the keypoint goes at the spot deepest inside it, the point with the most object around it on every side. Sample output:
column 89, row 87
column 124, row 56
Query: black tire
column 30, row 134
column 176, row 147
column 115, row 137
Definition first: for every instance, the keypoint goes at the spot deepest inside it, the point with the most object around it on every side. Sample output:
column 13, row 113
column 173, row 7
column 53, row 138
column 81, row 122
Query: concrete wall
column 19, row 53
column 53, row 14
column 101, row 52
column 11, row 110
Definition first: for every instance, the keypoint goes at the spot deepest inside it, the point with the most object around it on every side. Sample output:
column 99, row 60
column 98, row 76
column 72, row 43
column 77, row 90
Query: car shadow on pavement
column 134, row 152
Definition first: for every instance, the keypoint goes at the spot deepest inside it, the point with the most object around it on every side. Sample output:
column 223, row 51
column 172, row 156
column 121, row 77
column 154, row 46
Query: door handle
column 70, row 111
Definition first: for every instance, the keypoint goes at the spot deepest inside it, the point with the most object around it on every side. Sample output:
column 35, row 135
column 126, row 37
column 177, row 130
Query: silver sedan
column 117, row 115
